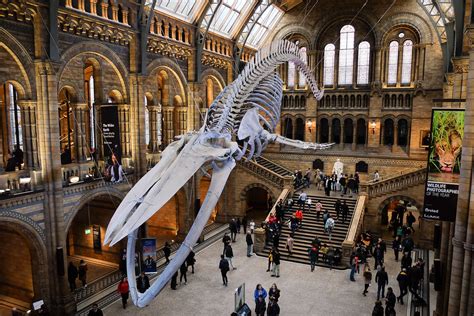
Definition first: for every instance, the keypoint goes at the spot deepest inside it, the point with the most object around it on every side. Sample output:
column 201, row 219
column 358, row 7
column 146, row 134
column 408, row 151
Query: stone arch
column 214, row 73
column 14, row 223
column 172, row 67
column 290, row 29
column 98, row 49
column 390, row 199
column 22, row 59
column 116, row 95
column 243, row 193
column 406, row 19
column 104, row 191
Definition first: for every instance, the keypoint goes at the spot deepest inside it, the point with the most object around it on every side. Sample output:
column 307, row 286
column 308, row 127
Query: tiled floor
column 323, row 292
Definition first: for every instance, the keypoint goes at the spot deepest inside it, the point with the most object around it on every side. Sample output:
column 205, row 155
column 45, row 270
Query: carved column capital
column 461, row 64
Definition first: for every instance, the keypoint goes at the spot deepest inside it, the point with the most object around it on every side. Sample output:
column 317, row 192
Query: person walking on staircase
column 329, row 226
column 289, row 244
column 338, row 208
column 318, row 207
column 344, row 211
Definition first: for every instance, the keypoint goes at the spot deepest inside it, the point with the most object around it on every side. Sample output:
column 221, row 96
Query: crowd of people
column 345, row 184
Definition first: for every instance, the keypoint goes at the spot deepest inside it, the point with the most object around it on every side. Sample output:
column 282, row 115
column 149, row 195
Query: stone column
column 80, row 5
column 79, row 114
column 459, row 291
column 330, row 130
column 168, row 119
column 395, row 136
column 124, row 123
column 104, row 6
column 28, row 116
column 93, row 4
column 114, row 13
column 354, row 135
column 153, row 116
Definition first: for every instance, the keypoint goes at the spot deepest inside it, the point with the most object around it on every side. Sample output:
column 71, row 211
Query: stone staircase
column 311, row 228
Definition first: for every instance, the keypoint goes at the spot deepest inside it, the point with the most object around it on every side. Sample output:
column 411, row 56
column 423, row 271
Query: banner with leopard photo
column 444, row 164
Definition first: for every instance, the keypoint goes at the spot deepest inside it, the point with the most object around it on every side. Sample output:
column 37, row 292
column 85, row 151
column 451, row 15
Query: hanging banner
column 149, row 255
column 444, row 164
column 110, row 130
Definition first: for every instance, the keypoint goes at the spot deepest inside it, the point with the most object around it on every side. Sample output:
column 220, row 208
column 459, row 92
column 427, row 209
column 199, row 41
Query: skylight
column 227, row 16
column 182, row 9
column 264, row 24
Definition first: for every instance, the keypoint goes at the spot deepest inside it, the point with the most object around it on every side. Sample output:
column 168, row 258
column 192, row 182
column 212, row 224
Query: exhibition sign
column 110, row 130
column 444, row 164
column 149, row 255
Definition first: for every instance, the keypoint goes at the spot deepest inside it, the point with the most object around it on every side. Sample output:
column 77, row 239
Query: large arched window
column 291, row 74
column 392, row 63
column 147, row 122
column 288, row 127
column 406, row 61
column 402, row 131
column 299, row 131
column 363, row 62
column 324, row 131
column 361, row 131
column 388, row 134
column 329, row 58
column 336, row 131
column 301, row 77
column 346, row 55
column 14, row 125
column 90, row 99
column 348, row 131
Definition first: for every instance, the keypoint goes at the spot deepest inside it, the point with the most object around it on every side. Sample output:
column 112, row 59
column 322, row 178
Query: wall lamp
column 309, row 125
column 372, row 126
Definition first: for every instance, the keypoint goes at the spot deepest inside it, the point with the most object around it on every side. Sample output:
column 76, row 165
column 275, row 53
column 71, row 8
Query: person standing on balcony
column 376, row 176
column 83, row 273
column 72, row 274
column 302, row 199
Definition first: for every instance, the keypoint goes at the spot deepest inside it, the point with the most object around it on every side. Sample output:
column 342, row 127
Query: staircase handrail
column 355, row 228
column 393, row 183
column 283, row 196
column 263, row 172
column 280, row 166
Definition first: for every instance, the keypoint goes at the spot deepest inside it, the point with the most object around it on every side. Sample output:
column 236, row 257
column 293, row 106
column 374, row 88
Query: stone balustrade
column 394, row 183
column 264, row 173
column 355, row 228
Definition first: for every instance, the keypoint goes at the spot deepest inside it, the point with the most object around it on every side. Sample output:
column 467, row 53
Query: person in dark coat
column 313, row 256
column 381, row 278
column 238, row 224
column 260, row 306
column 249, row 241
column 244, row 223
column 233, row 229
column 338, row 208
column 224, row 267
column 83, row 272
column 95, row 311
column 229, row 254
column 167, row 251
column 344, row 211
column 190, row 261
column 143, row 282
column 378, row 309
column 72, row 274
column 276, row 263
column 406, row 261
column 183, row 270
column 396, row 244
column 403, row 282
column 391, row 298
column 273, row 308
column 174, row 280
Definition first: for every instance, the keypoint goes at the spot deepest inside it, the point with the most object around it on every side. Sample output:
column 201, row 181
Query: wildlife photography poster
column 444, row 164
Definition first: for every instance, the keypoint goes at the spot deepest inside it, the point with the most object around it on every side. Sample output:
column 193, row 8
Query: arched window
column 324, row 131
column 66, row 128
column 402, row 132
column 336, row 131
column 348, row 131
column 346, row 55
column 288, row 127
column 299, row 133
column 361, row 131
column 363, row 61
column 329, row 56
column 388, row 132
column 407, row 54
column 15, row 134
column 147, row 122
column 392, row 62
column 291, row 74
column 301, row 77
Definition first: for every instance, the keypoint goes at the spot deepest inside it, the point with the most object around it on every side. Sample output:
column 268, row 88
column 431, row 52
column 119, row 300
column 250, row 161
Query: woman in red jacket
column 123, row 289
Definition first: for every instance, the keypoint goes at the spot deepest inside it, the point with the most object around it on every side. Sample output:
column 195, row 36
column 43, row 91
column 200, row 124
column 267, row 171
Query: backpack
column 329, row 223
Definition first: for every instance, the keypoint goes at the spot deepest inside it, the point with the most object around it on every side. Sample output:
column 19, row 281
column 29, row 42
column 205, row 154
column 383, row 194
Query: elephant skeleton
column 248, row 108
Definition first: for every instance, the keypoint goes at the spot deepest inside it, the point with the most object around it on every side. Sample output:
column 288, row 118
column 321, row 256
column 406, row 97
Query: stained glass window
column 363, row 62
column 329, row 56
column 346, row 55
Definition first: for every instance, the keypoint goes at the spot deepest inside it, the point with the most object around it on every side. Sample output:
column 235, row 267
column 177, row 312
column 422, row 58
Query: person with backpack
column 313, row 256
column 329, row 226
column 224, row 267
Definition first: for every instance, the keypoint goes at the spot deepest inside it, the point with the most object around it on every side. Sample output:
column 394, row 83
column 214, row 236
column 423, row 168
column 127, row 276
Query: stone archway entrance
column 258, row 201
column 388, row 213
column 85, row 238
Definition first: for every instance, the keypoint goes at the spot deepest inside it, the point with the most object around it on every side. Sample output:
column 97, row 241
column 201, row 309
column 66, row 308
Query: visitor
column 167, row 251
column 410, row 221
column 224, row 267
column 367, row 279
column 270, row 260
column 229, row 254
column 248, row 239
column 338, row 208
column 116, row 171
column 330, row 257
column 238, row 224
column 124, row 291
column 343, row 183
column 309, row 202
column 329, row 226
column 191, row 260
column 376, row 176
column 406, row 261
column 378, row 309
column 252, row 226
column 325, row 217
column 274, row 292
column 273, row 308
column 143, row 283
column 279, row 210
column 390, row 298
column 381, row 278
column 11, row 163
column 244, row 223
column 83, row 273
column 183, row 270
column 307, row 178
column 378, row 256
column 226, row 240
column 327, row 186
column 403, row 282
column 174, row 280
column 299, row 217
column 72, row 274
column 95, row 311
column 302, row 199
column 389, row 310
column 276, row 263
column 233, row 229
column 313, row 256
column 344, row 211
column 260, row 306
column 357, row 181
column 289, row 244
column 354, row 261
column 318, row 207
column 351, row 185
column 324, row 251
column 66, row 157
column 259, row 291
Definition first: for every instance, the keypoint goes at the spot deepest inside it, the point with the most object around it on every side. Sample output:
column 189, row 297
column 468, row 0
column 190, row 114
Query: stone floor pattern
column 323, row 292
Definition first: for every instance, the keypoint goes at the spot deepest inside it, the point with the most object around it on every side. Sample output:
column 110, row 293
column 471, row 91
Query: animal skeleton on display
column 250, row 109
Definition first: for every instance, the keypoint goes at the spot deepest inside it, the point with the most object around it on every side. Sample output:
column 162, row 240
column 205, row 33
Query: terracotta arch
column 389, row 200
column 243, row 193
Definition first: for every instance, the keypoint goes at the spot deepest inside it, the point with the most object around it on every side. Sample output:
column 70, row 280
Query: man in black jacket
column 72, row 274
column 224, row 267
column 167, row 251
column 403, row 282
column 143, row 282
column 381, row 278
column 229, row 254
column 249, row 241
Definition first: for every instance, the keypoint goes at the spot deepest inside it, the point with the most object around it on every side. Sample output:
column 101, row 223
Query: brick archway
column 397, row 198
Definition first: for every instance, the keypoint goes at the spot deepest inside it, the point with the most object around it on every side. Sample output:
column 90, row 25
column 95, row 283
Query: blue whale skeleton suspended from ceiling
column 250, row 109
